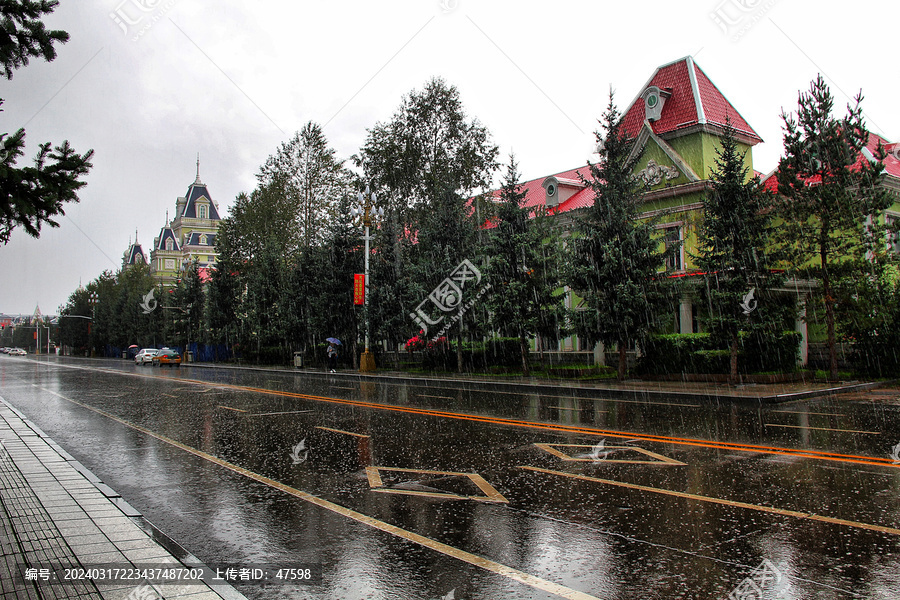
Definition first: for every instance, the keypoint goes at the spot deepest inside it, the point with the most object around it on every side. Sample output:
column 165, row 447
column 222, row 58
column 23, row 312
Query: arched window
column 203, row 240
column 170, row 245
column 202, row 211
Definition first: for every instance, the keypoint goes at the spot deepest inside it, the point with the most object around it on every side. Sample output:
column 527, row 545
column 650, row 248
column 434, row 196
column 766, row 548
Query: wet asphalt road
column 396, row 490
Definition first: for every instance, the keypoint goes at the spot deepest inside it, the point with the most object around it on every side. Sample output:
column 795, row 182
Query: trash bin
column 189, row 356
column 298, row 359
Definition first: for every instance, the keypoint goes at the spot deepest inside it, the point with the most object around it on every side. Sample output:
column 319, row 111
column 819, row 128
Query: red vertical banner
column 359, row 288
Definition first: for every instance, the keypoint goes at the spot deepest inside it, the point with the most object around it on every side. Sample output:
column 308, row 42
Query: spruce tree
column 617, row 264
column 731, row 246
column 33, row 196
column 829, row 196
column 522, row 279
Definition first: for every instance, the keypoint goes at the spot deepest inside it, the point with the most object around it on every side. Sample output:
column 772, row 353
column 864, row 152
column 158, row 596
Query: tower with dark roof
column 189, row 237
column 134, row 255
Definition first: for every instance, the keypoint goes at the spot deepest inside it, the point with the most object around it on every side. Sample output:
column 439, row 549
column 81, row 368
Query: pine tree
column 617, row 264
column 521, row 277
column 24, row 36
column 732, row 241
column 32, row 196
column 828, row 195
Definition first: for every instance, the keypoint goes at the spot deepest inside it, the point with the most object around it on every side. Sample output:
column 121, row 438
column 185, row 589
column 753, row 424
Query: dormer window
column 203, row 240
column 170, row 245
column 559, row 189
column 202, row 211
column 654, row 99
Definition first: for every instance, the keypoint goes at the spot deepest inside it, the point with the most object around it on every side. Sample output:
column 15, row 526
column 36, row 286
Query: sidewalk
column 56, row 517
column 634, row 389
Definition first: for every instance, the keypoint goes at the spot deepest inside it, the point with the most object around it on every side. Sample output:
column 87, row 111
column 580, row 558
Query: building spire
column 197, row 181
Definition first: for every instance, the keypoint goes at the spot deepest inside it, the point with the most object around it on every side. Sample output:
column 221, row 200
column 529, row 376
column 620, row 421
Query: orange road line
column 473, row 559
column 758, row 507
column 815, row 454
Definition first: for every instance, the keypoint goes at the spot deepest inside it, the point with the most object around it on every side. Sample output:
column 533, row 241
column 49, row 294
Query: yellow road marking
column 359, row 435
column 286, row 412
column 821, row 428
column 768, row 509
column 230, row 408
column 490, row 493
column 803, row 412
column 660, row 459
column 472, row 559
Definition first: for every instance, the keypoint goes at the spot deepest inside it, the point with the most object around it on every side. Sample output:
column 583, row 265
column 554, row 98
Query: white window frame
column 679, row 259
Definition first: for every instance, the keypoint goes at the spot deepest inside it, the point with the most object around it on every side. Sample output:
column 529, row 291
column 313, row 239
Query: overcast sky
column 149, row 84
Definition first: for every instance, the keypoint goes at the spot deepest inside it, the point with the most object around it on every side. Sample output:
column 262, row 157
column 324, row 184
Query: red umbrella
column 133, row 346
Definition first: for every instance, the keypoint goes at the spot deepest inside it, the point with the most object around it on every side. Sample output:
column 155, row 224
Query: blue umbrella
column 333, row 341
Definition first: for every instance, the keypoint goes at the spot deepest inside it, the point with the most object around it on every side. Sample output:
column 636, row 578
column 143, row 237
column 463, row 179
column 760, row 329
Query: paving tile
column 58, row 513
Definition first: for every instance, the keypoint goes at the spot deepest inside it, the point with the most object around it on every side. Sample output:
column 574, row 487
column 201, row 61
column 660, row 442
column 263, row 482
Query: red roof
column 535, row 194
column 891, row 161
column 694, row 100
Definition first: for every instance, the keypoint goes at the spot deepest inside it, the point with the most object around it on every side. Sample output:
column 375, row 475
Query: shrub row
column 701, row 353
column 502, row 352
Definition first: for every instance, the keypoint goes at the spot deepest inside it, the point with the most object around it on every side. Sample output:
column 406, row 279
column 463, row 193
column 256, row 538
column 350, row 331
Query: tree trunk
column 524, row 348
column 459, row 352
column 540, row 345
column 732, row 374
column 829, row 316
column 623, row 361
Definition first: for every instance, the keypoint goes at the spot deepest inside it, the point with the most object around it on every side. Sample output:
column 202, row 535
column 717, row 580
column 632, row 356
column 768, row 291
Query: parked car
column 167, row 356
column 17, row 352
column 145, row 356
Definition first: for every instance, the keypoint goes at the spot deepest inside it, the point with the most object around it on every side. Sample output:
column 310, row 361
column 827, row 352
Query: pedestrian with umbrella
column 332, row 352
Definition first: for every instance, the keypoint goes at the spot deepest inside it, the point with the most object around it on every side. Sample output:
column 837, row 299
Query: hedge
column 701, row 353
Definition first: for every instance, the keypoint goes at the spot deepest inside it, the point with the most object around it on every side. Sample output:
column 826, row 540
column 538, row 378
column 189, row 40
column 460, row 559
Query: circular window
column 551, row 190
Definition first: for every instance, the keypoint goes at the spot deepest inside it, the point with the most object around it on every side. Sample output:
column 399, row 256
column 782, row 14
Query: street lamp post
column 365, row 209
column 93, row 299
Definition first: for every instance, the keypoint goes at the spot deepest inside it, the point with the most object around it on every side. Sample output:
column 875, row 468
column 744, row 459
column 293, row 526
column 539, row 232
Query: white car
column 145, row 356
column 17, row 352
